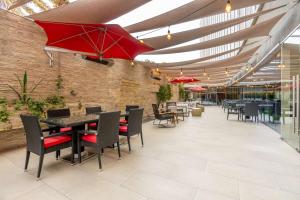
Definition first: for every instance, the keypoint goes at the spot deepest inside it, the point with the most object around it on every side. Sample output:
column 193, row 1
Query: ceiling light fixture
column 141, row 41
column 228, row 6
column 181, row 71
column 204, row 73
column 132, row 63
column 169, row 36
column 226, row 71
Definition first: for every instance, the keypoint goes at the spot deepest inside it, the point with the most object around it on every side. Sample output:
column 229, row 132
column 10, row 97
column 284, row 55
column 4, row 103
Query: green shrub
column 4, row 114
column 37, row 107
column 3, row 101
column 23, row 93
column 19, row 105
column 55, row 101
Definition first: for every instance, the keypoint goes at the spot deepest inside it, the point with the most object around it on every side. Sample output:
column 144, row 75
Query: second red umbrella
column 183, row 79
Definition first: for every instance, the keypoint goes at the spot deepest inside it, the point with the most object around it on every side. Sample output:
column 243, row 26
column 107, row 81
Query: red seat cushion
column 90, row 138
column 123, row 129
column 123, row 121
column 65, row 129
column 92, row 125
column 53, row 141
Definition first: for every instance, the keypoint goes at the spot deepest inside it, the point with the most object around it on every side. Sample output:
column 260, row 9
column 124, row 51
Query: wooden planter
column 11, row 139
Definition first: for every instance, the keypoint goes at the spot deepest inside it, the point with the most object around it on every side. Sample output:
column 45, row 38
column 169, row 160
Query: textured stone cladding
column 112, row 87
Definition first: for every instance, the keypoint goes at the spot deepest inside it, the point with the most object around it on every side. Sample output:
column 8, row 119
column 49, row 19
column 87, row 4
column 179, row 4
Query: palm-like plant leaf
column 35, row 86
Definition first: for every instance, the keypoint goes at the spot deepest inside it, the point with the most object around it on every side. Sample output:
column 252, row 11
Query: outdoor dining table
column 78, row 123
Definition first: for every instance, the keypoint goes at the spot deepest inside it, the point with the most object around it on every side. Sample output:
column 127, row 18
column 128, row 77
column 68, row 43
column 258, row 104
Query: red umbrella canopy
column 100, row 40
column 183, row 79
column 197, row 89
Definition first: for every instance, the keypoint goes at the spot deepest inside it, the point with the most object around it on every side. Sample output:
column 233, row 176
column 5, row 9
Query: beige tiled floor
column 206, row 158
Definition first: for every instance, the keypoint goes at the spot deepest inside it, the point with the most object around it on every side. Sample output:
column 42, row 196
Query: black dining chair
column 232, row 109
column 161, row 116
column 251, row 110
column 128, row 107
column 39, row 144
column 56, row 113
column 134, row 126
column 107, row 135
column 93, row 110
column 63, row 112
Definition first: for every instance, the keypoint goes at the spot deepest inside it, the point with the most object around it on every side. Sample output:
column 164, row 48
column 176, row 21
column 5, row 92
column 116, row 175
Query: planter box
column 12, row 139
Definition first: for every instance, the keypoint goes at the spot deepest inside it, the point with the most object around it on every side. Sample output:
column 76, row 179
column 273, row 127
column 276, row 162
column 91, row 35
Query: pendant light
column 204, row 73
column 132, row 63
column 141, row 41
column 181, row 73
column 169, row 36
column 228, row 6
column 226, row 71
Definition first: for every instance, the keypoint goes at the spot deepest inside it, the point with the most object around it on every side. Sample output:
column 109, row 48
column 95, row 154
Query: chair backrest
column 94, row 109
column 135, row 121
column 251, row 109
column 33, row 133
column 129, row 107
column 170, row 104
column 155, row 111
column 108, row 128
column 63, row 112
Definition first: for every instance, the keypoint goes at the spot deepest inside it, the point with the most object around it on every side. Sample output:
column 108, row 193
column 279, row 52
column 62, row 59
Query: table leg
column 88, row 155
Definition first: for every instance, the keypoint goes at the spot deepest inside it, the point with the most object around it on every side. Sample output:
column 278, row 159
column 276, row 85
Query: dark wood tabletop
column 75, row 120
column 71, row 121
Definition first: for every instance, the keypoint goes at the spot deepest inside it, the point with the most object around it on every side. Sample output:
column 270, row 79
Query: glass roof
column 158, row 7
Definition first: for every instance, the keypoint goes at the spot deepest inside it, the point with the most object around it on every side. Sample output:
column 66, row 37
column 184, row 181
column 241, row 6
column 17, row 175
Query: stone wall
column 112, row 87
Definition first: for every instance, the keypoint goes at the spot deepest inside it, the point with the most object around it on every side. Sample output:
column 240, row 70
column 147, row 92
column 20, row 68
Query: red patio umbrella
column 96, row 40
column 197, row 89
column 183, row 79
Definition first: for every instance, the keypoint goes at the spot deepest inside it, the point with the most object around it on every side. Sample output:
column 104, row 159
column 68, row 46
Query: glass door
column 290, row 93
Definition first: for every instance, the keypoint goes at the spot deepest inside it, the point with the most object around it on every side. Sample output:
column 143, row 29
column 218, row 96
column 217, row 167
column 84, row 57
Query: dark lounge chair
column 161, row 116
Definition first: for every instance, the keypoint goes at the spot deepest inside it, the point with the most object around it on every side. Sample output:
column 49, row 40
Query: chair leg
column 99, row 158
column 73, row 152
column 227, row 115
column 142, row 140
column 57, row 154
column 119, row 152
column 128, row 141
column 27, row 160
column 40, row 165
column 79, row 148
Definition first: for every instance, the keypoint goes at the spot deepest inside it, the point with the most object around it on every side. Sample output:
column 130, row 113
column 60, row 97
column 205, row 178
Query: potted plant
column 164, row 94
